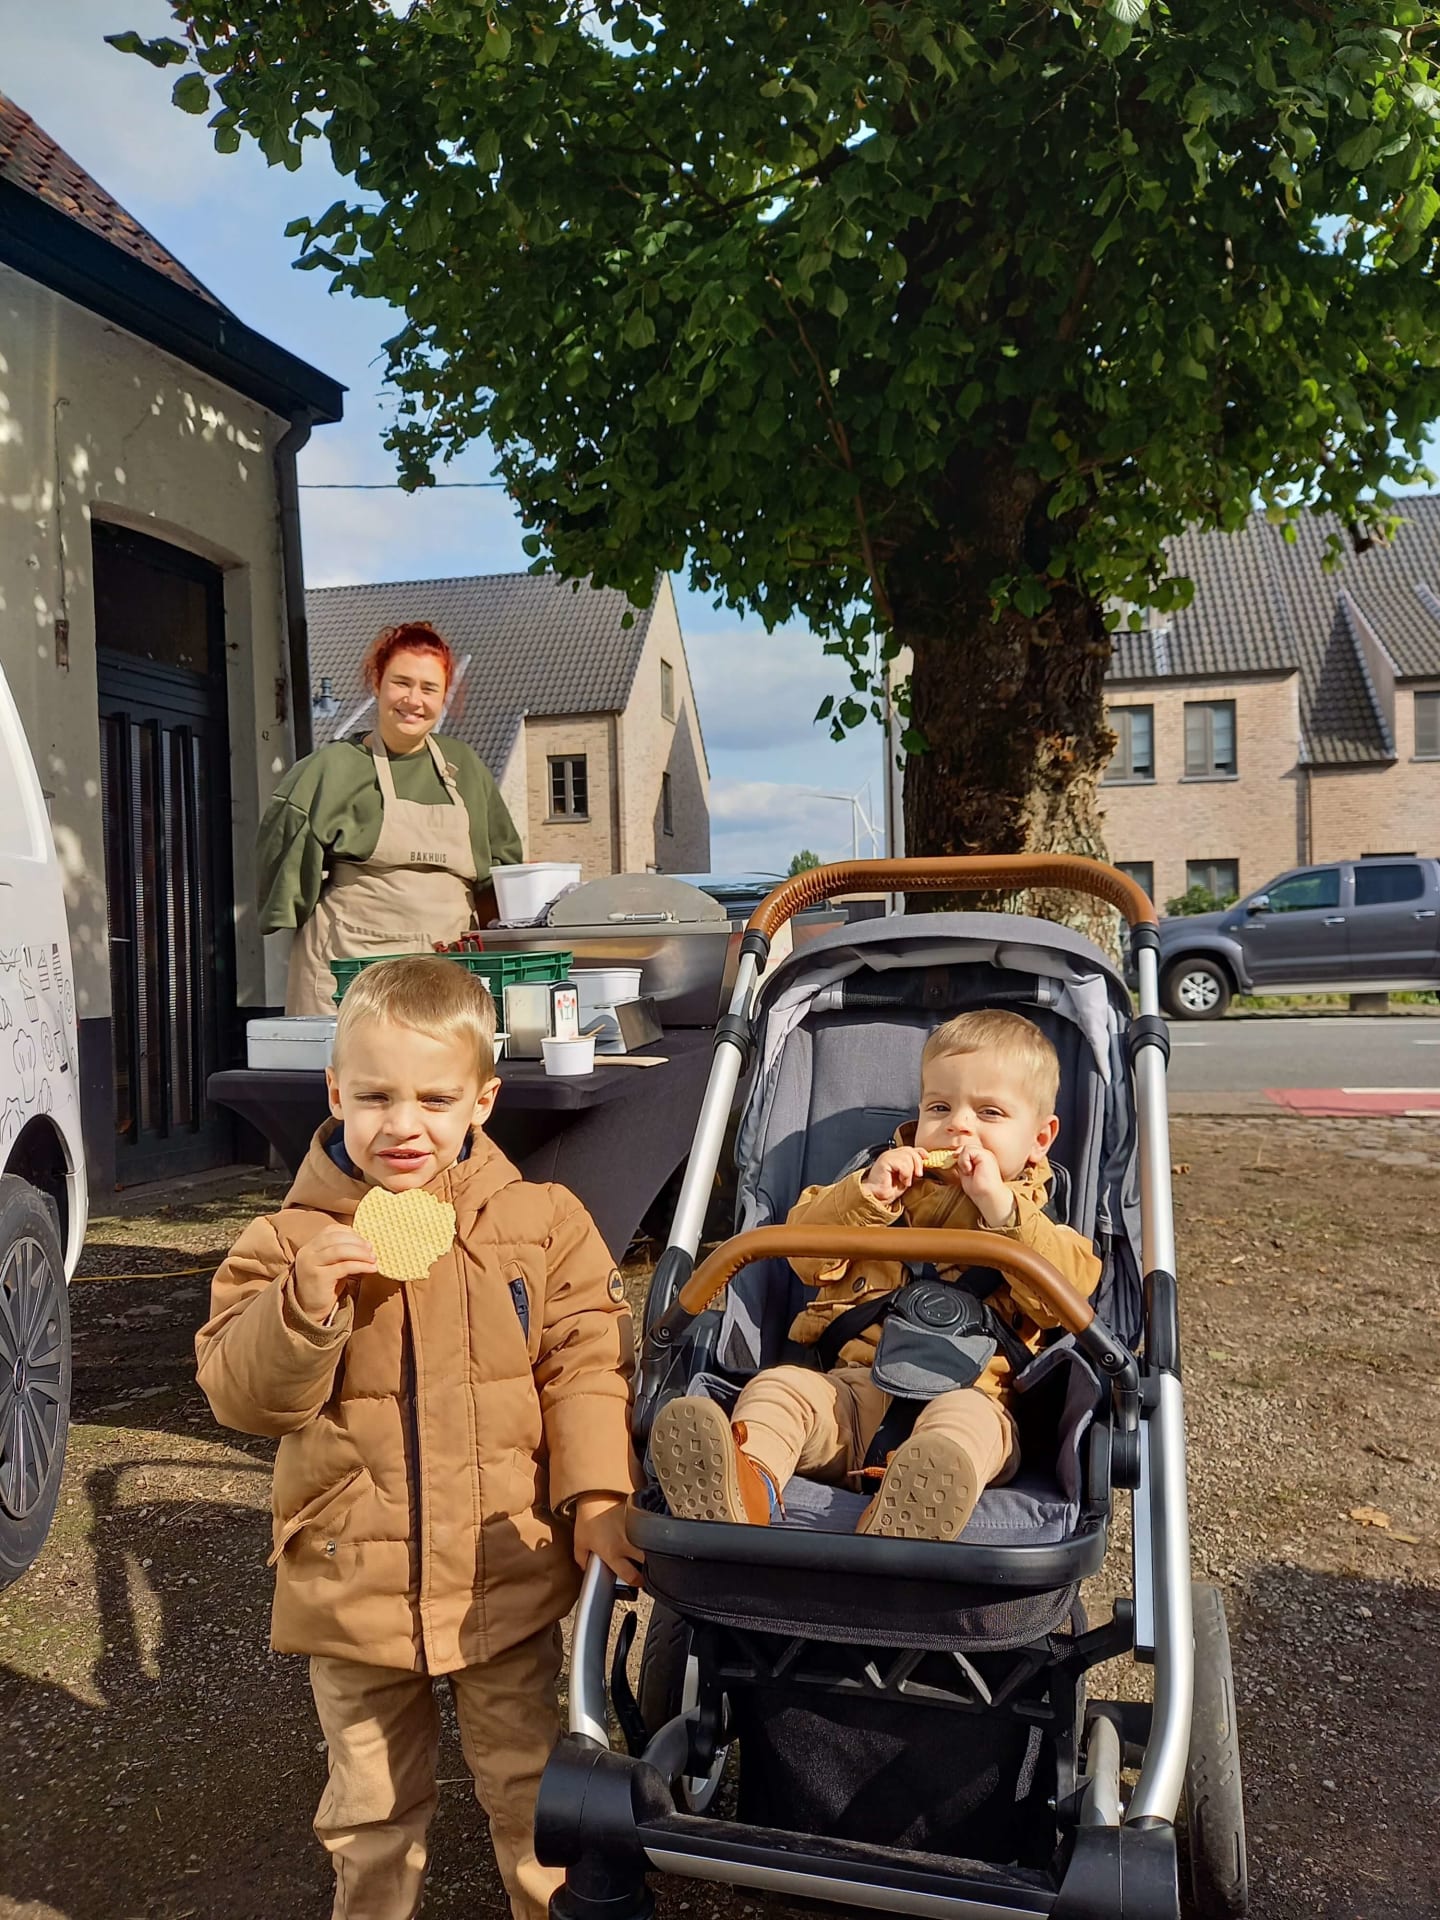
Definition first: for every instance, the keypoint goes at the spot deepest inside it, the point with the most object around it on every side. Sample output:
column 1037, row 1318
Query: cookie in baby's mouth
column 409, row 1231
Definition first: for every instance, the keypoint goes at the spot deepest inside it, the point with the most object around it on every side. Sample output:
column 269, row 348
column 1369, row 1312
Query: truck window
column 1318, row 888
column 1380, row 886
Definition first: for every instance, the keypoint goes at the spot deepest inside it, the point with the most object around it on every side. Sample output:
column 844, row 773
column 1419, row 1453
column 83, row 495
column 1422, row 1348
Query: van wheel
column 669, row 1685
column 1214, row 1801
column 34, row 1373
column 1197, row 989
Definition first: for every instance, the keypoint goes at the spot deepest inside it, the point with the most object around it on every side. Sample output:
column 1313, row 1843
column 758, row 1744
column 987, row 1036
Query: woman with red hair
column 382, row 841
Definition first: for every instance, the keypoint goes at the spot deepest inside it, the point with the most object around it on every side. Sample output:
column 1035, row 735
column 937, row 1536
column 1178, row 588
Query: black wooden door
column 165, row 752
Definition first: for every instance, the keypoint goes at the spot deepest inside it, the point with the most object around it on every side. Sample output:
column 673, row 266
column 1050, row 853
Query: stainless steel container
column 679, row 937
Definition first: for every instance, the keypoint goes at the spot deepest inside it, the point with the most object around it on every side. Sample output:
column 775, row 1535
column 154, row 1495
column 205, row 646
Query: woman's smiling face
column 409, row 699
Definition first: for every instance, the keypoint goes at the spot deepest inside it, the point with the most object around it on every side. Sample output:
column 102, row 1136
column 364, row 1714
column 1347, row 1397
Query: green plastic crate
column 497, row 970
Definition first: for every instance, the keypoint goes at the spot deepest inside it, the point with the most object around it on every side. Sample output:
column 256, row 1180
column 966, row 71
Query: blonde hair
column 433, row 995
column 1017, row 1041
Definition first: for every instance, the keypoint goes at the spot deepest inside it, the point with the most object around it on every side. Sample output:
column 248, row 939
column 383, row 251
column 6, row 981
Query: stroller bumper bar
column 917, row 1245
column 610, row 1818
column 995, row 873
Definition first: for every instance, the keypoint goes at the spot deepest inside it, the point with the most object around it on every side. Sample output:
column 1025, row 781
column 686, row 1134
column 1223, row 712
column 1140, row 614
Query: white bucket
column 565, row 1059
column 523, row 892
column 603, row 986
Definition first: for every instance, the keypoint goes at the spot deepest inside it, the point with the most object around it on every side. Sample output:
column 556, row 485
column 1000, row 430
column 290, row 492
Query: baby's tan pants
column 820, row 1425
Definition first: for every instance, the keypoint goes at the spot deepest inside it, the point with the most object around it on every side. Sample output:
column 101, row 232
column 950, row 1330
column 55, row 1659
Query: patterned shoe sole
column 928, row 1493
column 694, row 1455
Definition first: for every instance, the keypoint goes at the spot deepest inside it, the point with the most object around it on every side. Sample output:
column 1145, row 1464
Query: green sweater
column 328, row 807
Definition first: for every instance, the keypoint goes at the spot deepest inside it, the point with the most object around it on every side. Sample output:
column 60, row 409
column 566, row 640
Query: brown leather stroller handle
column 933, row 1244
column 1068, row 872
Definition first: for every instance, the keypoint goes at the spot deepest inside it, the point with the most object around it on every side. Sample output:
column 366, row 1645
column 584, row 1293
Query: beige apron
column 417, row 887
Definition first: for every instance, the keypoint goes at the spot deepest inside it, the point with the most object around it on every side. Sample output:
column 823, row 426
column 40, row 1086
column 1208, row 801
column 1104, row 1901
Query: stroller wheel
column 669, row 1685
column 1214, row 1801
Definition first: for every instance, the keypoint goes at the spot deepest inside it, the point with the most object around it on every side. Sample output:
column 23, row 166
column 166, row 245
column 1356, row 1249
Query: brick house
column 1287, row 715
column 588, row 725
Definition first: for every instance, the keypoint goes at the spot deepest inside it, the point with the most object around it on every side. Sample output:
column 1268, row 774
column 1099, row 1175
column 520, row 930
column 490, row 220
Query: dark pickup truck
column 1349, row 926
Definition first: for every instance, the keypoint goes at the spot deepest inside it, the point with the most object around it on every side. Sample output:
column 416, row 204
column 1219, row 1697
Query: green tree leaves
column 792, row 296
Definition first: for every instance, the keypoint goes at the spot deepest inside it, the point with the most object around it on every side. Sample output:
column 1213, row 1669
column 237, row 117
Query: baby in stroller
column 911, row 1385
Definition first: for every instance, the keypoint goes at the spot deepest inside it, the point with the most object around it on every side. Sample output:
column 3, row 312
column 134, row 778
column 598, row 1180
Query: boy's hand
column 894, row 1173
column 600, row 1528
column 978, row 1172
column 326, row 1265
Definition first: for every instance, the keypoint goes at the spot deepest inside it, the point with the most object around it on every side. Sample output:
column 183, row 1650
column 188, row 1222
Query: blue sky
column 225, row 218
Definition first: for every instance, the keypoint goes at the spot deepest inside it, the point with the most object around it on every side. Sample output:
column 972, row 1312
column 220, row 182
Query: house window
column 1209, row 739
column 1320, row 887
column 569, row 787
column 1427, row 726
column 1134, row 757
column 1142, row 872
column 667, row 691
column 1220, row 877
column 667, row 805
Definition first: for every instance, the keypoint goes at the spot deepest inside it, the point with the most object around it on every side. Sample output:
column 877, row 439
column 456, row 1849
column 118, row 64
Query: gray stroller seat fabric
column 840, row 1070
column 1039, row 1507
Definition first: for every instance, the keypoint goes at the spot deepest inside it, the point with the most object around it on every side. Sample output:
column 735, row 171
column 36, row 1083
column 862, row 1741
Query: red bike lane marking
column 1340, row 1102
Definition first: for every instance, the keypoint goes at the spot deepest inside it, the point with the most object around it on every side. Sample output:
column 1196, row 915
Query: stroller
column 910, row 1716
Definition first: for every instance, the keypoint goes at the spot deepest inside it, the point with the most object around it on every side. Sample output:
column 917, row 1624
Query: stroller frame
column 608, row 1816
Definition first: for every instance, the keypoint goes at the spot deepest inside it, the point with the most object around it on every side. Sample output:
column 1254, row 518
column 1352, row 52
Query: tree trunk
column 1012, row 707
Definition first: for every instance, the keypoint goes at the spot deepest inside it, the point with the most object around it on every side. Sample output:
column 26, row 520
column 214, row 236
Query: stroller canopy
column 840, row 1026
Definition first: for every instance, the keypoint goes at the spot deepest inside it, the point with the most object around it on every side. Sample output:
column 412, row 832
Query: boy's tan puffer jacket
column 428, row 1443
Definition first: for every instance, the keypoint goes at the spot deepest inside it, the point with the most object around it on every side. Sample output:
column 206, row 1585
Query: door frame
column 148, row 691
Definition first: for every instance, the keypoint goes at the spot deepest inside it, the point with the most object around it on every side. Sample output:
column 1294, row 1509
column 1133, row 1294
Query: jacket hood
column 324, row 1187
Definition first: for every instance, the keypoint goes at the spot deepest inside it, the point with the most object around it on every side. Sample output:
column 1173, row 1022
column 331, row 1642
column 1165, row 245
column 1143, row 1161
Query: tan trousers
column 798, row 1420
column 383, row 1731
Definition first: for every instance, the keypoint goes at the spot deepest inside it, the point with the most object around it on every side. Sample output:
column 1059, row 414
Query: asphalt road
column 1352, row 1051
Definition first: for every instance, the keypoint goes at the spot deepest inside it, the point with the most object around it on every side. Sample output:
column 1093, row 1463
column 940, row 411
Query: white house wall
column 94, row 422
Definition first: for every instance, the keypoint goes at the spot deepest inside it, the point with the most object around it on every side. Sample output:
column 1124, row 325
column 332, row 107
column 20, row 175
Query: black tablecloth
column 613, row 1137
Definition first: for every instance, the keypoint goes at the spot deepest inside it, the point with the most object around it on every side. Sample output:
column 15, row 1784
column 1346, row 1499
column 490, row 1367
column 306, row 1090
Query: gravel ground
column 160, row 1764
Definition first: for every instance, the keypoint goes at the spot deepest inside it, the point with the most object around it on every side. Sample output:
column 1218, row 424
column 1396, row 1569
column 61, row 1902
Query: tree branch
column 842, row 443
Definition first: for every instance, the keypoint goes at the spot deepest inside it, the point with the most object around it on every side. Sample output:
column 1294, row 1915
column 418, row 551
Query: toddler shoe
column 702, row 1471
column 928, row 1493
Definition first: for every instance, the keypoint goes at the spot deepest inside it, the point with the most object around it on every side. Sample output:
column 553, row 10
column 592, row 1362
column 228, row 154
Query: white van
column 43, row 1195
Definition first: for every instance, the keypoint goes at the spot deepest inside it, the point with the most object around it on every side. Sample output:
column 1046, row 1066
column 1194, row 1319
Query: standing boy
column 451, row 1448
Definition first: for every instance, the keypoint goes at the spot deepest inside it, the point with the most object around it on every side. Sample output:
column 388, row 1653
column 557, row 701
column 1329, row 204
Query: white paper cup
column 564, row 1059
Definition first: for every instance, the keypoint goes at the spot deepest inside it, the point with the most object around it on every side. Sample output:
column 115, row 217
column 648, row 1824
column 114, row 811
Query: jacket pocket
column 323, row 1511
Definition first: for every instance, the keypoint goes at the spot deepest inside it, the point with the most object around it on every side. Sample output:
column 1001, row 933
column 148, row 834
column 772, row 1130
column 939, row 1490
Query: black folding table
column 613, row 1137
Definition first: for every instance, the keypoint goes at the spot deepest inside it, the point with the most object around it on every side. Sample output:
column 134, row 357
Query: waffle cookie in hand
column 409, row 1231
column 939, row 1159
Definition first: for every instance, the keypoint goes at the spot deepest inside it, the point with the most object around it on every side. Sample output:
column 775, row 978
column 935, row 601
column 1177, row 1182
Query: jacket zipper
column 412, row 1416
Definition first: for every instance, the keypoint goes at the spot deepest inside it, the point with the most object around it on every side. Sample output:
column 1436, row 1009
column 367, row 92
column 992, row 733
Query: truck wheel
column 1197, row 989
column 34, row 1373
column 1214, row 1801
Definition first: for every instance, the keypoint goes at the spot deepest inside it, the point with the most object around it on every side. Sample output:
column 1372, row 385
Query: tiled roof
column 30, row 160
column 1266, row 605
column 525, row 643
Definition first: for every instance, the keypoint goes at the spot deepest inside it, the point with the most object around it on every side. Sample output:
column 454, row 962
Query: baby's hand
column 894, row 1173
column 978, row 1172
column 326, row 1265
column 600, row 1528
